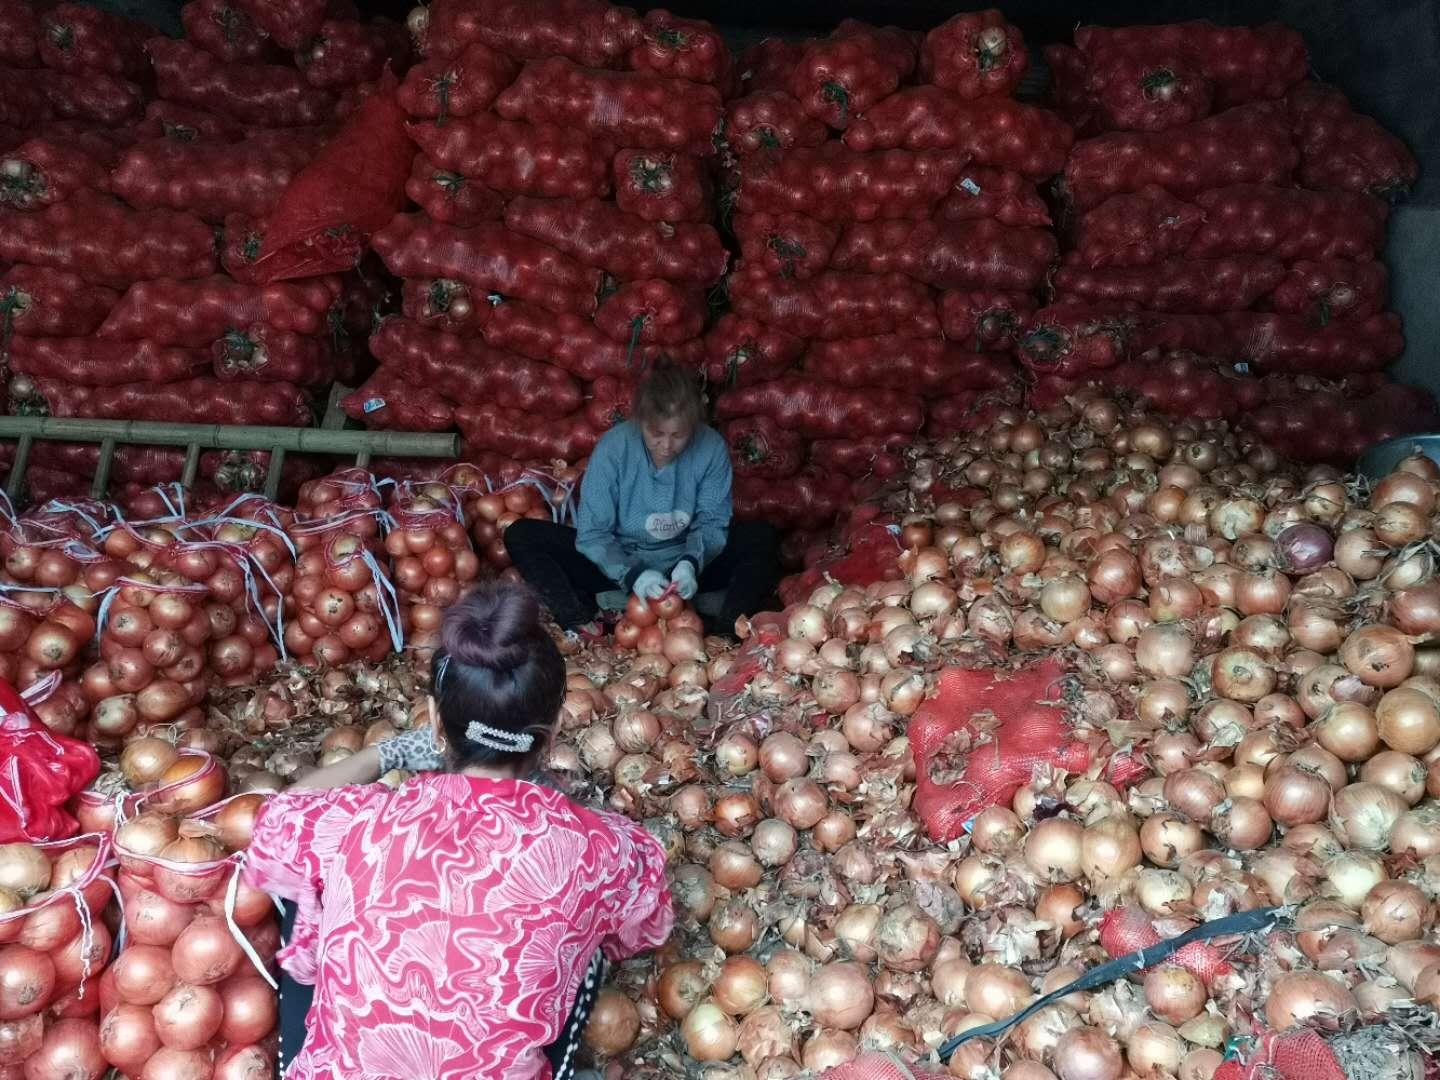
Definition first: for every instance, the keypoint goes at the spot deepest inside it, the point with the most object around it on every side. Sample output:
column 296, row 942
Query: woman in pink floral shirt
column 449, row 927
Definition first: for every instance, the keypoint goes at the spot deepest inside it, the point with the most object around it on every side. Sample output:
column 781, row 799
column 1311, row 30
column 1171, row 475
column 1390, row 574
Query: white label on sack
column 371, row 404
column 970, row 186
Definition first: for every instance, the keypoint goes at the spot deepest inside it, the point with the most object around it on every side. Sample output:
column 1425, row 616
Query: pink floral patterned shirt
column 446, row 926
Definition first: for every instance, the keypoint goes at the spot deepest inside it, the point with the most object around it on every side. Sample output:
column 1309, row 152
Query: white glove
column 650, row 585
column 683, row 578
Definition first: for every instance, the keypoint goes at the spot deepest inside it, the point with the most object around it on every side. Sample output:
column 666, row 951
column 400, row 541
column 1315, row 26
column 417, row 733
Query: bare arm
column 359, row 768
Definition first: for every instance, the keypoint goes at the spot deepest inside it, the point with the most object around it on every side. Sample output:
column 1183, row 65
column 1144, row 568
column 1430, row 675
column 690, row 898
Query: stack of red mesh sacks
column 560, row 238
column 1225, row 214
column 891, row 238
column 116, row 306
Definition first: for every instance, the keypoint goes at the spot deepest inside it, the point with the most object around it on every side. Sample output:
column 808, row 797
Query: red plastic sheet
column 39, row 773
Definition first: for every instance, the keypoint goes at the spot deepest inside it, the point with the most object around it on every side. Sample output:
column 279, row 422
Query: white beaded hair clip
column 499, row 739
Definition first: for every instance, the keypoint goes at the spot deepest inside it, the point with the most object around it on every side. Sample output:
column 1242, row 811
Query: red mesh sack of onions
column 180, row 609
column 192, row 991
column 979, row 739
column 665, row 627
column 344, row 603
column 493, row 504
column 254, row 568
column 55, row 941
column 432, row 557
column 43, row 632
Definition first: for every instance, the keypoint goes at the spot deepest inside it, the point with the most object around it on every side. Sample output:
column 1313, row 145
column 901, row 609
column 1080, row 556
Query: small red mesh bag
column 866, row 553
column 1128, row 929
column 766, row 631
column 1012, row 732
column 42, row 770
column 355, row 185
column 1292, row 1055
column 877, row 1066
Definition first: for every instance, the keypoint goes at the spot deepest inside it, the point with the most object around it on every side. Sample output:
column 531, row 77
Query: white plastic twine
column 386, row 590
column 232, row 892
column 37, row 693
column 102, row 616
column 61, row 506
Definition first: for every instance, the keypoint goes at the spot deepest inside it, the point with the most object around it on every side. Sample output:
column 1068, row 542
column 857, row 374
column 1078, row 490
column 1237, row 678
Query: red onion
column 1303, row 548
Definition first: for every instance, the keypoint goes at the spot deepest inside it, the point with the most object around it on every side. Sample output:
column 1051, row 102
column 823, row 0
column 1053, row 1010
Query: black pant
column 295, row 1000
column 747, row 571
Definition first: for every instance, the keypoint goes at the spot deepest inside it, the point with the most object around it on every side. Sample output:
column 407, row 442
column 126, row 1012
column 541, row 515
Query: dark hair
column 497, row 666
column 670, row 390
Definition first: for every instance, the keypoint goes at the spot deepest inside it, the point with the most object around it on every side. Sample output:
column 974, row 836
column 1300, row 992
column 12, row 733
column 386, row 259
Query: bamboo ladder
column 330, row 437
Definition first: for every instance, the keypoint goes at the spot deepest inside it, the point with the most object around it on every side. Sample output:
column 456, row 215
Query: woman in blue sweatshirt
column 654, row 513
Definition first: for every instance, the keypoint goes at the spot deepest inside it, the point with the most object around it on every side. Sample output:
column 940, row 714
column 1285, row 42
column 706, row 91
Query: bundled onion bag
column 835, row 304
column 595, row 33
column 635, row 109
column 761, row 448
column 599, row 234
column 994, row 131
column 468, row 370
column 1246, row 145
column 489, row 258
column 979, row 739
column 1325, row 289
column 810, row 499
column 391, row 401
column 1343, row 150
column 41, row 772
column 821, row 410
column 1135, row 229
column 835, row 183
column 742, row 352
column 42, row 302
column 1008, row 197
column 980, row 254
column 1193, row 285
column 574, row 342
column 1245, row 63
column 917, row 365
column 353, row 187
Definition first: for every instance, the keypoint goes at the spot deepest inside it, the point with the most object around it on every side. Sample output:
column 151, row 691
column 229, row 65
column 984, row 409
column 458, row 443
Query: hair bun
column 492, row 627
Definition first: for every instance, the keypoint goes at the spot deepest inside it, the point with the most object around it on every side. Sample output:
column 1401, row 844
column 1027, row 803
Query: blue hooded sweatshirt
column 634, row 517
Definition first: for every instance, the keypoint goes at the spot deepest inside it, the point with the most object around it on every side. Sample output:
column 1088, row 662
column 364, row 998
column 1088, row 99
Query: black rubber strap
column 1242, row 923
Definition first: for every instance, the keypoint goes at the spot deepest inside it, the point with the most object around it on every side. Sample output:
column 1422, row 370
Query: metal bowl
column 1382, row 458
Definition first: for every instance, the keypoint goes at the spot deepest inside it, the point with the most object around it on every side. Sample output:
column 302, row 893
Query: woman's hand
column 683, row 578
column 651, row 585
